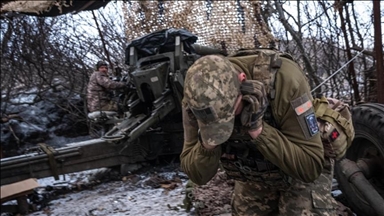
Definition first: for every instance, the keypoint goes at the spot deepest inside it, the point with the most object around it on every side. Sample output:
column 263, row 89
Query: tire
column 368, row 121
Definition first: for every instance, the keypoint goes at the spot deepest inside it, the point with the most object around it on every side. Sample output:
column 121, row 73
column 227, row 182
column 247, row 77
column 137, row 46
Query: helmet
column 100, row 63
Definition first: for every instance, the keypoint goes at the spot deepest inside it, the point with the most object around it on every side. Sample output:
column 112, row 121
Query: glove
column 250, row 117
column 255, row 104
column 253, row 87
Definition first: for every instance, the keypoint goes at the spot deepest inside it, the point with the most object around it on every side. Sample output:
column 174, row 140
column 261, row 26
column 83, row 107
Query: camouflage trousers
column 110, row 106
column 299, row 198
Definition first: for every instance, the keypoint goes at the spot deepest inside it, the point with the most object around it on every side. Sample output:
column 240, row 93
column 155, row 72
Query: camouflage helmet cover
column 211, row 89
column 100, row 63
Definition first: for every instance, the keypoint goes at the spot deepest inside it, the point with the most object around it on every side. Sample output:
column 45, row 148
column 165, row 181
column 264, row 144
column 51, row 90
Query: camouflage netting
column 222, row 24
column 37, row 7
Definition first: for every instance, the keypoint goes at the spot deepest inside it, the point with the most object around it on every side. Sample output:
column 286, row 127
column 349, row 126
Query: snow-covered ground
column 143, row 194
column 117, row 198
column 153, row 192
column 83, row 193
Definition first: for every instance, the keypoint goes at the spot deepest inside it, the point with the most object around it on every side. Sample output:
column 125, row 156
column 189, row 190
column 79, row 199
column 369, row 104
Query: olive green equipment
column 335, row 125
column 188, row 199
column 150, row 124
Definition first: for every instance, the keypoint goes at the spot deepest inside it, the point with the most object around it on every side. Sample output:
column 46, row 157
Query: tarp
column 160, row 42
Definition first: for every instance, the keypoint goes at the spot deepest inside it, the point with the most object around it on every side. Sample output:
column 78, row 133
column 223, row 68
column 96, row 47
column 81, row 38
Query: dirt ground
column 152, row 190
column 214, row 198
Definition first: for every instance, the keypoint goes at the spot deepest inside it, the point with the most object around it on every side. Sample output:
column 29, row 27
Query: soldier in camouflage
column 252, row 114
column 99, row 87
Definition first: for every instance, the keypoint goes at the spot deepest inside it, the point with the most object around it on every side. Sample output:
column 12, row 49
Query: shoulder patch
column 301, row 104
column 334, row 135
column 311, row 121
column 303, row 107
column 305, row 115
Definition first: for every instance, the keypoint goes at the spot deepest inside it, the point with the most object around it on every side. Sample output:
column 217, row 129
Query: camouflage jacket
column 98, row 90
column 291, row 145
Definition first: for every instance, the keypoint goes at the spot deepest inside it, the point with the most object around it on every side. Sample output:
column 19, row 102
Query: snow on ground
column 115, row 197
column 151, row 191
column 76, row 193
column 144, row 194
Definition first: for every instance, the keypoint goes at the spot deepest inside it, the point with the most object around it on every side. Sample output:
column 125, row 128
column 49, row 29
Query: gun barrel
column 205, row 50
column 75, row 157
column 6, row 163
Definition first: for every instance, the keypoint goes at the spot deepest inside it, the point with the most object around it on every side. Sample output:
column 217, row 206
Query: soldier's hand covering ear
column 255, row 104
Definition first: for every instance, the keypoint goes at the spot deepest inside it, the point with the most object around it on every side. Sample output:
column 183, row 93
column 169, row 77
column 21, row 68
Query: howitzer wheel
column 368, row 144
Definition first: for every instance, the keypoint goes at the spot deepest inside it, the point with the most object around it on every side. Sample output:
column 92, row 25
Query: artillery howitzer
column 152, row 125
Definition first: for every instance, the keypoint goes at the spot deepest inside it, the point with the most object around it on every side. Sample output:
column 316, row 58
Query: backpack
column 335, row 123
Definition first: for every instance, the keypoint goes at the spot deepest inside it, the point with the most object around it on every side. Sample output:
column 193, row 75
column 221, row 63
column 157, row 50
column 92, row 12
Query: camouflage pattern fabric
column 262, row 199
column 293, row 145
column 258, row 198
column 211, row 93
column 261, row 68
column 335, row 123
column 98, row 92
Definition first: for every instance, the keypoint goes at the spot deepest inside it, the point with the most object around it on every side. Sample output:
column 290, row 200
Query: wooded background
column 40, row 54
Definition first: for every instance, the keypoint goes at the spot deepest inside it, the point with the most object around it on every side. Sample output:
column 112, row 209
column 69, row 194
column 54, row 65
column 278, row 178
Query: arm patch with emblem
column 312, row 124
column 306, row 116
